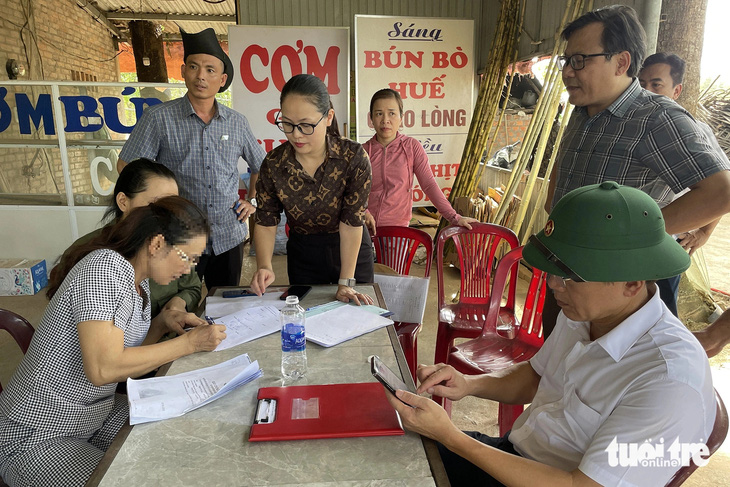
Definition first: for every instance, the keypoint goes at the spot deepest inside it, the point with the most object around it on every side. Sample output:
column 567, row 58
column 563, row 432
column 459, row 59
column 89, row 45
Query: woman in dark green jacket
column 140, row 183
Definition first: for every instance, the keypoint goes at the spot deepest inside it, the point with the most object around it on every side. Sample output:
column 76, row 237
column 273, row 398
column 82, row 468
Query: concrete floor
column 468, row 414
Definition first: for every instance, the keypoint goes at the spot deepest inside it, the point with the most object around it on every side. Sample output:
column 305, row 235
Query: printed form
column 159, row 398
column 248, row 324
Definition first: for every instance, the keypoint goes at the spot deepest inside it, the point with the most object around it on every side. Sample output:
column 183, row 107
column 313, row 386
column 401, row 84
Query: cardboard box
column 22, row 276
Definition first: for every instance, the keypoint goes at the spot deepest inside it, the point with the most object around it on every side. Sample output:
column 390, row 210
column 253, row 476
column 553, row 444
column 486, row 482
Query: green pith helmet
column 606, row 233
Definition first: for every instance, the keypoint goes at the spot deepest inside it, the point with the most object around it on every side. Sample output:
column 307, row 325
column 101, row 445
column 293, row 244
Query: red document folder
column 344, row 410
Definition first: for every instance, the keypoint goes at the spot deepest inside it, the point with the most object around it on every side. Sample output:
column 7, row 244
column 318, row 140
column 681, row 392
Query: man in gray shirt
column 620, row 132
column 201, row 141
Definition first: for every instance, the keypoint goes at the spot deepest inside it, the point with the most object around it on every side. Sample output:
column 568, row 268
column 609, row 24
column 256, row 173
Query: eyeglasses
column 578, row 61
column 184, row 257
column 558, row 282
column 304, row 128
column 571, row 275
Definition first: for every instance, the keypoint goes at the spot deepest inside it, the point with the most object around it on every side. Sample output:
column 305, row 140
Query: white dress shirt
column 647, row 380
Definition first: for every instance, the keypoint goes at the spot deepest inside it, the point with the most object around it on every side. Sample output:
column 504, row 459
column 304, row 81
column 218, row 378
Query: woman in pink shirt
column 395, row 158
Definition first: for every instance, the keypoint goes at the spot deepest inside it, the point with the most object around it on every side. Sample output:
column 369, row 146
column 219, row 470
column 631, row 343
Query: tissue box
column 22, row 276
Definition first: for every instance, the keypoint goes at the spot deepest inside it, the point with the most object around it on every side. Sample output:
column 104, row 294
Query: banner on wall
column 265, row 57
column 430, row 62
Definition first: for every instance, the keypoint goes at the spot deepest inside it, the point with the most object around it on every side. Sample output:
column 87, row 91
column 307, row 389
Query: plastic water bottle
column 293, row 340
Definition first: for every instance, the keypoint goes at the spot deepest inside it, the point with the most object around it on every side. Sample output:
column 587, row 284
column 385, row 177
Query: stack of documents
column 342, row 323
column 327, row 324
column 168, row 397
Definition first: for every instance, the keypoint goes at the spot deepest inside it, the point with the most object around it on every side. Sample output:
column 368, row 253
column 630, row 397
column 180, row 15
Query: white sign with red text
column 430, row 62
column 265, row 57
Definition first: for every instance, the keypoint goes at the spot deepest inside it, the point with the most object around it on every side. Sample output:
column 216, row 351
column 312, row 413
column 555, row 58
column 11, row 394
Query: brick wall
column 514, row 125
column 62, row 42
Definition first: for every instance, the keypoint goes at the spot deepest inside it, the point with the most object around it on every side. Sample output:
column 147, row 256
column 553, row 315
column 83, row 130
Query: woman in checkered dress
column 59, row 413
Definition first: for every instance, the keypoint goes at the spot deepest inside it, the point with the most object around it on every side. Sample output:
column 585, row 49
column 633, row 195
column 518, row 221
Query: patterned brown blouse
column 338, row 192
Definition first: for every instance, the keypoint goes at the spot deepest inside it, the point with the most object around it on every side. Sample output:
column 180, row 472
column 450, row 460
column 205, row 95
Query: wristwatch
column 253, row 202
column 347, row 282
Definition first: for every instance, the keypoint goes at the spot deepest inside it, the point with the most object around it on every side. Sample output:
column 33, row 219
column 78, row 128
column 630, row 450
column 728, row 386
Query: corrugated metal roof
column 201, row 7
column 542, row 17
column 174, row 7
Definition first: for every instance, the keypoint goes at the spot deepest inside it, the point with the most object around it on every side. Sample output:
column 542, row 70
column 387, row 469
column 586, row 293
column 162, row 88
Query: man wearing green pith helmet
column 619, row 369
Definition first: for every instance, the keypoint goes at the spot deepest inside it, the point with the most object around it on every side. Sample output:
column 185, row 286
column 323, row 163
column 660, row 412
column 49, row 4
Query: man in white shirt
column 618, row 370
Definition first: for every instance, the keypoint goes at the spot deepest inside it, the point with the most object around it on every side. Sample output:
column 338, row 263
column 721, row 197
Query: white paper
column 405, row 296
column 248, row 324
column 166, row 397
column 341, row 324
column 323, row 308
column 217, row 306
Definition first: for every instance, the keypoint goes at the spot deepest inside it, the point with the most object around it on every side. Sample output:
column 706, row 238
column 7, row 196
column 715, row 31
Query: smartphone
column 387, row 377
column 238, row 293
column 298, row 291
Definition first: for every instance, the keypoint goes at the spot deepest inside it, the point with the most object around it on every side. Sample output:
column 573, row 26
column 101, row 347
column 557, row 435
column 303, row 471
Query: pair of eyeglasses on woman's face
column 304, row 128
column 184, row 257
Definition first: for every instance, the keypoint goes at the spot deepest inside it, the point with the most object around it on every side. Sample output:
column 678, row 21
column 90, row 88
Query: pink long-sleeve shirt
column 391, row 195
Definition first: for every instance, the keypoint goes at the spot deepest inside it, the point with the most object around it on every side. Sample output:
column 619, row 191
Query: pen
column 209, row 320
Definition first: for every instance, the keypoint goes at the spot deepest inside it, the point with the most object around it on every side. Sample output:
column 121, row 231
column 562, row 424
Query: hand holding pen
column 206, row 338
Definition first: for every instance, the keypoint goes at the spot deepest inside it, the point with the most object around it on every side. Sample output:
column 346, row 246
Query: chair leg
column 508, row 413
column 443, row 344
column 412, row 359
column 409, row 344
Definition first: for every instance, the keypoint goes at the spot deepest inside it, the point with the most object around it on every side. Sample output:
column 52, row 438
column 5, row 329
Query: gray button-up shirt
column 203, row 157
column 641, row 140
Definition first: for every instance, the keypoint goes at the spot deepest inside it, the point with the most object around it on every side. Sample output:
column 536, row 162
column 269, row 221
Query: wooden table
column 209, row 446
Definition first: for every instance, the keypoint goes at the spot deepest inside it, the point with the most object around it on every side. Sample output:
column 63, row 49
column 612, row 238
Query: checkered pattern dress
column 54, row 424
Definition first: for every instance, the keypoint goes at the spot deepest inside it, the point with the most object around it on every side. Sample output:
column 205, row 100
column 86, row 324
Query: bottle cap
column 292, row 300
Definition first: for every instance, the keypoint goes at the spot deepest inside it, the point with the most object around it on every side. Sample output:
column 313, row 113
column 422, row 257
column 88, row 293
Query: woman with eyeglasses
column 322, row 182
column 395, row 158
column 59, row 412
column 140, row 183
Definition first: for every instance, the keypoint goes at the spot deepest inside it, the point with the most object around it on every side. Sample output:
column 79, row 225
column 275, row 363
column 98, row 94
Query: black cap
column 205, row 42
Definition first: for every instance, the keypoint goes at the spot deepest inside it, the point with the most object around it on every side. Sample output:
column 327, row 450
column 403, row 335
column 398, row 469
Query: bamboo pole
column 544, row 189
column 547, row 98
column 503, row 49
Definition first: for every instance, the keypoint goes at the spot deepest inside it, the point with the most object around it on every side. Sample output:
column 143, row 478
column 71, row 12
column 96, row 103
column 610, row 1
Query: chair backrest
column 531, row 322
column 718, row 435
column 396, row 247
column 19, row 329
column 476, row 250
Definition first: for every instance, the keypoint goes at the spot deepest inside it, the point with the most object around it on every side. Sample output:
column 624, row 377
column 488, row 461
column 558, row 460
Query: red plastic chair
column 396, row 247
column 718, row 435
column 497, row 349
column 19, row 329
column 476, row 250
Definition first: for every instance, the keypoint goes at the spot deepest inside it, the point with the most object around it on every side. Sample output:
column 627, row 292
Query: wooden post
column 149, row 55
